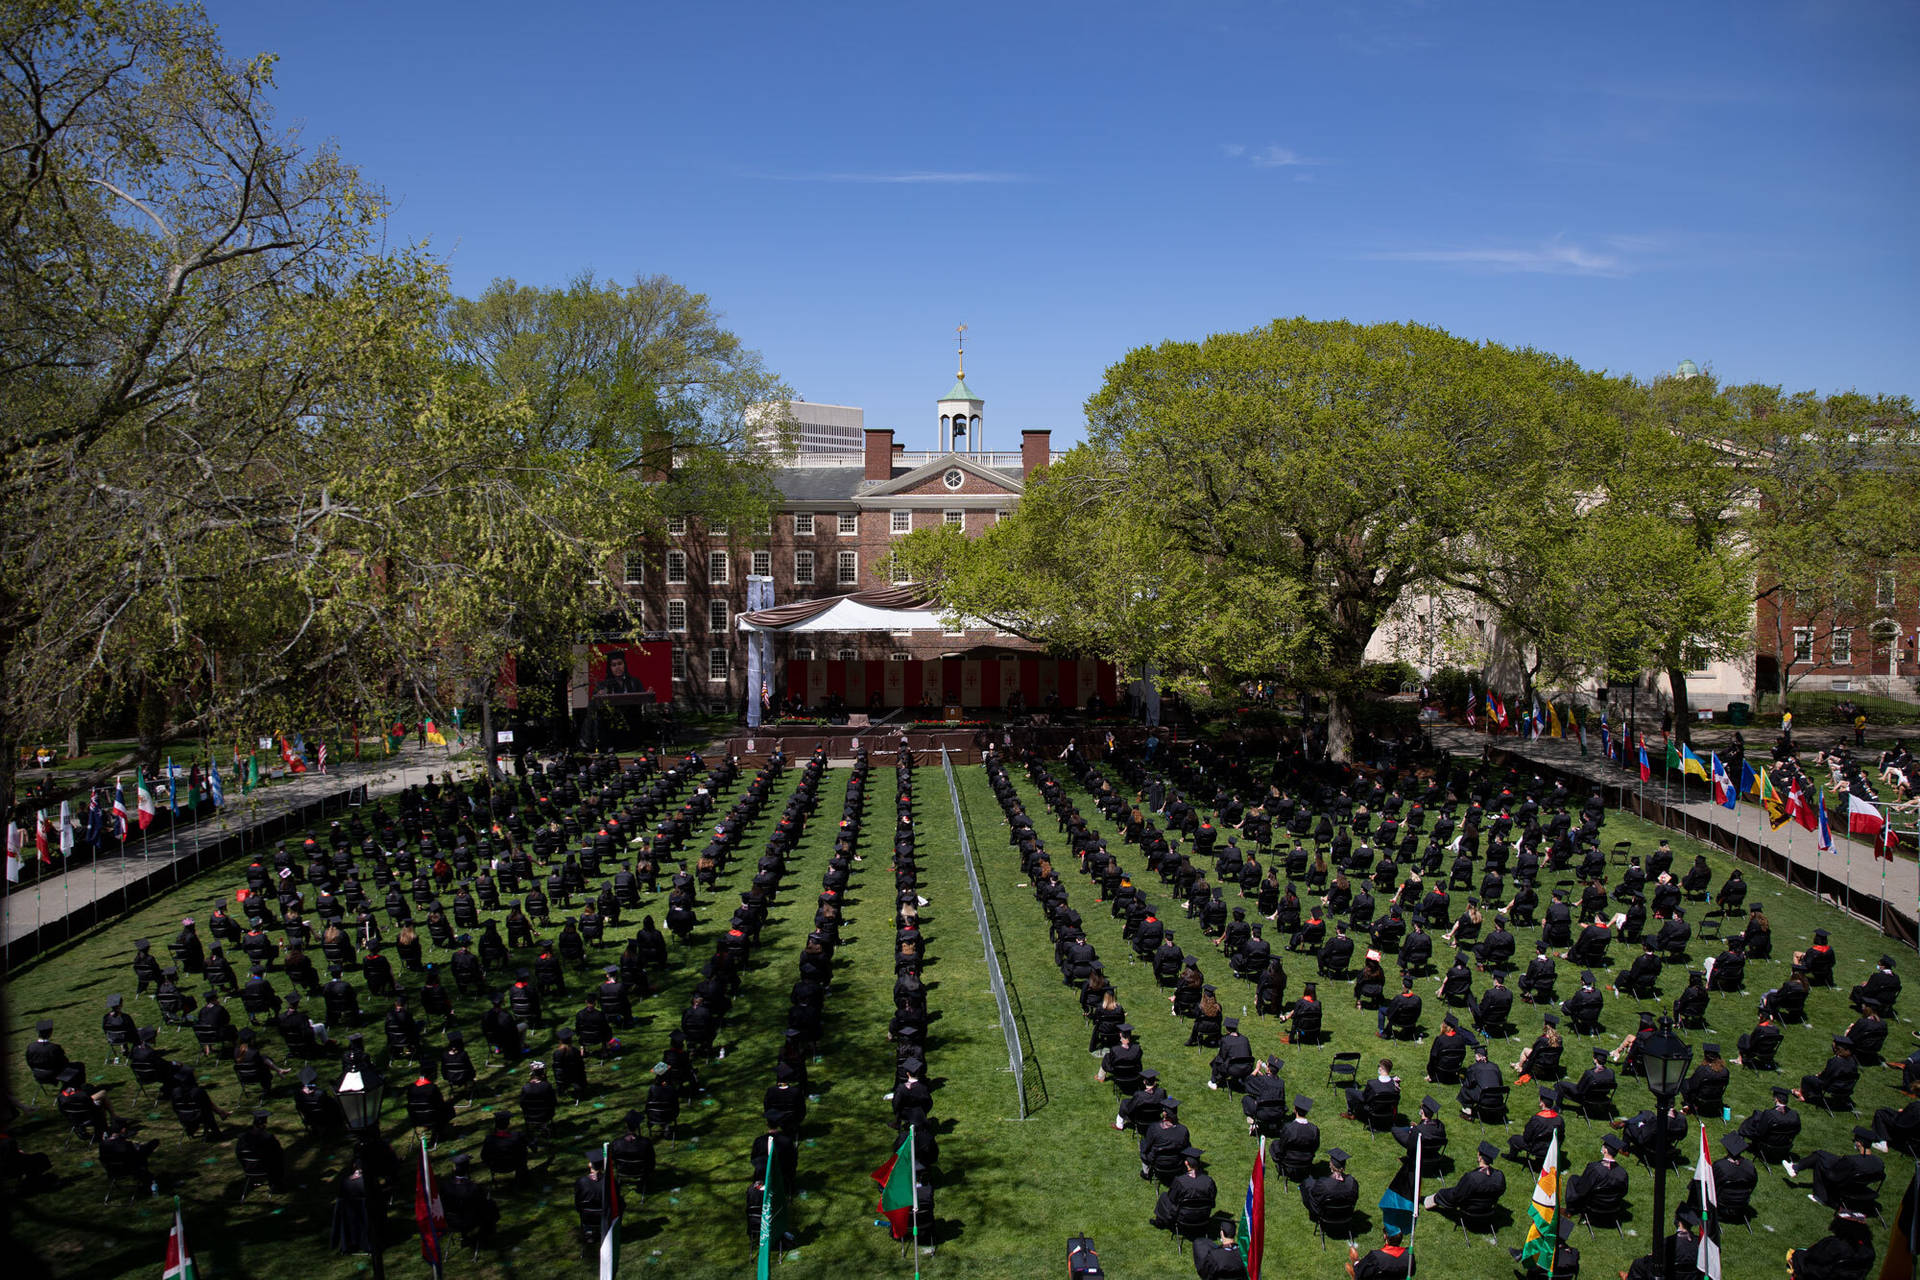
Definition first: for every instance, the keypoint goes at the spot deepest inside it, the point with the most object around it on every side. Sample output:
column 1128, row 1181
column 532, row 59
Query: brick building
column 839, row 516
column 1862, row 644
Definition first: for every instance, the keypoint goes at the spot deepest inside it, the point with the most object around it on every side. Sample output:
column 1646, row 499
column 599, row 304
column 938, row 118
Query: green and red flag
column 896, row 1179
column 1543, row 1229
column 773, row 1215
column 179, row 1261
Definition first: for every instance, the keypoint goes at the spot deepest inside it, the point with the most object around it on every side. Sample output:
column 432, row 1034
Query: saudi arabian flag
column 1543, row 1231
column 179, row 1261
column 609, row 1220
column 773, row 1215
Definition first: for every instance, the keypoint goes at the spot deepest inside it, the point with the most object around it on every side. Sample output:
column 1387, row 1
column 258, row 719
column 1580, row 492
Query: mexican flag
column 143, row 799
column 179, row 1261
column 896, row 1179
column 609, row 1219
column 1543, row 1231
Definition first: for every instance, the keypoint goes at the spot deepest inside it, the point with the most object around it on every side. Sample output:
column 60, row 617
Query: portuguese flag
column 896, row 1178
column 179, row 1261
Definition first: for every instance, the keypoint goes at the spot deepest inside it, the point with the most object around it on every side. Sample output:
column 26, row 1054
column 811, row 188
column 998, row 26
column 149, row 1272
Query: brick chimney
column 1034, row 451
column 879, row 453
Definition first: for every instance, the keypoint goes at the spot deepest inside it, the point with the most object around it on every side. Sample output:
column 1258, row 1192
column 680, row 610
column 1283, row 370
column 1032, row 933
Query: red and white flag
column 16, row 841
column 1865, row 819
column 144, row 799
column 1799, row 810
column 428, row 1213
column 120, row 810
column 323, row 757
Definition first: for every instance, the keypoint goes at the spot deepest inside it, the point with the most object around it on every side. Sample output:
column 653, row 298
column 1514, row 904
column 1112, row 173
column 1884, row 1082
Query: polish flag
column 1865, row 819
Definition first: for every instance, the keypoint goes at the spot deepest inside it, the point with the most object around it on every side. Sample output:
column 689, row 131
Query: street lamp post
column 1664, row 1058
column 359, row 1096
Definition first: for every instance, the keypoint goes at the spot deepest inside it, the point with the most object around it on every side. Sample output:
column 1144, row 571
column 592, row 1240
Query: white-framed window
column 899, row 521
column 957, row 517
column 803, row 568
column 593, row 573
column 1001, row 514
column 849, row 522
column 636, row 568
column 1843, row 647
column 1803, row 644
column 1698, row 657
column 849, row 655
column 676, row 524
column 764, row 526
column 676, row 615
column 803, row 655
column 763, row 564
column 676, row 567
column 900, row 657
column 716, row 664
column 717, row 566
column 679, row 663
column 802, row 523
column 717, row 617
column 1885, row 590
column 897, row 569
column 847, row 570
column 718, row 528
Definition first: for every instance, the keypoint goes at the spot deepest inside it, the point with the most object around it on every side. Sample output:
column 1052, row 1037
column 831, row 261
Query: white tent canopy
column 848, row 614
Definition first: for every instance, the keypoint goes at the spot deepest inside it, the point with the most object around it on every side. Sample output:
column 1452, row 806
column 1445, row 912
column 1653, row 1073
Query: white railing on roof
column 1002, row 460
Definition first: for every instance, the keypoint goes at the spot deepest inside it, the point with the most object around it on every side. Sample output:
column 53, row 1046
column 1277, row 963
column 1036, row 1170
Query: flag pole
column 913, row 1197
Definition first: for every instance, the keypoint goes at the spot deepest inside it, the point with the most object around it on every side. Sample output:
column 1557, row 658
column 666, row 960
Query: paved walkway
column 29, row 906
column 1851, row 863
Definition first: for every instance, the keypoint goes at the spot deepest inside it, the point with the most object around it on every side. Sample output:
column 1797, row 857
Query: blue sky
column 1625, row 184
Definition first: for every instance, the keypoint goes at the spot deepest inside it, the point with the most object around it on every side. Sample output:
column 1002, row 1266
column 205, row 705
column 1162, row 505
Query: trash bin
column 1739, row 713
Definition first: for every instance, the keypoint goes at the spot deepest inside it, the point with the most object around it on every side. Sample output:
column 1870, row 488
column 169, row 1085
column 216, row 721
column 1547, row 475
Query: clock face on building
column 955, row 479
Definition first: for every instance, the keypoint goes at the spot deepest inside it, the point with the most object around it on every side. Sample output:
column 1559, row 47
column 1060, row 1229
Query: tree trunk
column 1340, row 727
column 76, row 741
column 1682, row 714
column 486, row 735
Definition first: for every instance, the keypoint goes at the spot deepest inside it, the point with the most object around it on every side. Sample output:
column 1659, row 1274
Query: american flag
column 323, row 757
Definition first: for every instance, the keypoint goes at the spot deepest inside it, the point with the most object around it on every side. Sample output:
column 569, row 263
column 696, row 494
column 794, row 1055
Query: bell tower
column 961, row 411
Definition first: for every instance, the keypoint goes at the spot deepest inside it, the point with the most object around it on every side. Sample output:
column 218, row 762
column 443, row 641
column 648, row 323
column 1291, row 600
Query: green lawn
column 1011, row 1191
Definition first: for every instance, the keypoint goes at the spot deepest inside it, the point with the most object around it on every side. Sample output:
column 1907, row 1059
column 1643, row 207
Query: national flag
column 1553, row 722
column 295, row 764
column 435, row 738
column 1723, row 785
column 143, row 798
column 1542, row 1211
column 119, row 811
column 1863, row 817
column 1749, row 780
column 1646, row 768
column 1538, row 725
column 96, row 817
column 1253, row 1212
column 1798, row 809
column 773, row 1216
column 323, row 757
column 1496, row 710
column 66, row 830
column 1708, row 1261
column 300, row 751
column 252, row 778
column 16, row 841
column 428, row 1213
column 395, row 736
column 1400, row 1202
column 173, row 789
column 1606, row 736
column 766, row 695
column 43, row 837
column 215, row 792
column 898, row 1198
column 1772, row 801
column 610, row 1210
column 179, row 1261
column 1826, row 832
column 1692, row 764
column 1473, row 700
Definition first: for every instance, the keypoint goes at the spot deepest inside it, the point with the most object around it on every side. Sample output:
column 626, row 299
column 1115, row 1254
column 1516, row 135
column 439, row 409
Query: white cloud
column 906, row 176
column 1556, row 257
column 1271, row 156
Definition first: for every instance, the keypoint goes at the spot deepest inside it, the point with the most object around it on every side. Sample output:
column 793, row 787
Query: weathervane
column 962, row 353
